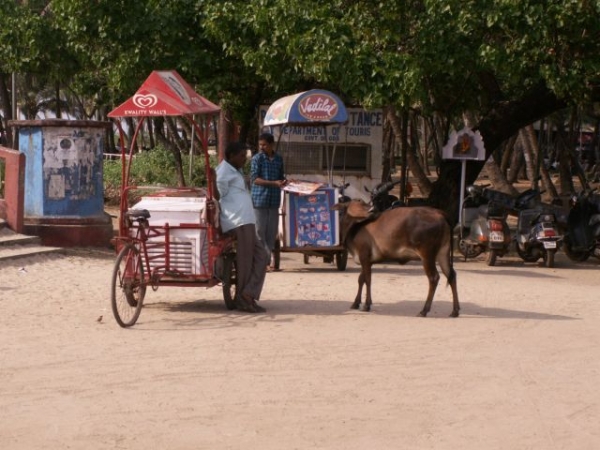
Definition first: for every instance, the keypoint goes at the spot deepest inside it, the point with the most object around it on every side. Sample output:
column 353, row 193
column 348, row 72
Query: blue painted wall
column 30, row 143
column 63, row 171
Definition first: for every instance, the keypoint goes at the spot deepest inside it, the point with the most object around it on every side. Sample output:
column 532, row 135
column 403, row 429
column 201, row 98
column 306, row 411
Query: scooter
column 582, row 238
column 537, row 235
column 483, row 225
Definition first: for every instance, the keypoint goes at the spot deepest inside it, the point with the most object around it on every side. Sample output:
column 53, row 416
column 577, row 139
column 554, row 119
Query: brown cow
column 401, row 235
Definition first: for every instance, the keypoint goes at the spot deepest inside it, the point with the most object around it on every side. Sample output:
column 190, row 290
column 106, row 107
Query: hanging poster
column 310, row 220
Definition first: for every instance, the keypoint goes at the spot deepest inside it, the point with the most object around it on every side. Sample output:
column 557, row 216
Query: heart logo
column 145, row 101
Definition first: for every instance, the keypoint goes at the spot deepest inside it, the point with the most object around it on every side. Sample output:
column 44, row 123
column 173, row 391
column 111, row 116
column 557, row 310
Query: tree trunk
column 528, row 155
column 427, row 143
column 509, row 147
column 400, row 134
column 6, row 106
column 150, row 125
column 224, row 131
column 532, row 142
column 517, row 162
column 57, row 97
column 176, row 148
column 387, row 151
column 564, row 167
column 130, row 131
column 497, row 178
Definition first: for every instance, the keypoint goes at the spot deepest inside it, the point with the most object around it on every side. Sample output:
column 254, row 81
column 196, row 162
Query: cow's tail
column 452, row 274
column 451, row 277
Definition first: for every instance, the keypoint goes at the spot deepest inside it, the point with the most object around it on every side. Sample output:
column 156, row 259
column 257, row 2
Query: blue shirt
column 270, row 169
column 235, row 202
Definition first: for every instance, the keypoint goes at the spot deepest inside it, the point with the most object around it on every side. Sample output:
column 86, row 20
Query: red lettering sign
column 318, row 107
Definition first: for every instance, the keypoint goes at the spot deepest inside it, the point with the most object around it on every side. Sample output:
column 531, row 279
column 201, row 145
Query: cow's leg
column 361, row 282
column 434, row 277
column 455, row 304
column 450, row 273
column 366, row 270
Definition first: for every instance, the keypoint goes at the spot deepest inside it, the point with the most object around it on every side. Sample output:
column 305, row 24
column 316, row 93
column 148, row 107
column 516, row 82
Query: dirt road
column 518, row 370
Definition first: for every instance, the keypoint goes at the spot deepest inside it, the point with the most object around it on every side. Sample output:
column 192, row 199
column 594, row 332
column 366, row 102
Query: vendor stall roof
column 307, row 108
column 164, row 93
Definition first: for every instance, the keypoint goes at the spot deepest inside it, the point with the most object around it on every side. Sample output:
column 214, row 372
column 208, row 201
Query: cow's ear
column 358, row 211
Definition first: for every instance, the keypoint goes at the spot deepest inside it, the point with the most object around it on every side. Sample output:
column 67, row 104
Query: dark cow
column 401, row 235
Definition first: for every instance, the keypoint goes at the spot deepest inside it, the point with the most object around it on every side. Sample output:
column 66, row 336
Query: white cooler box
column 188, row 247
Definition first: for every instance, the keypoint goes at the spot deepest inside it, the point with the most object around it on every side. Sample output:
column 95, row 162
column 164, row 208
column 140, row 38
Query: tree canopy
column 503, row 63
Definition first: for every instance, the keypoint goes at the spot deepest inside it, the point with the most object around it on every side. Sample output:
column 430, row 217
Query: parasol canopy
column 312, row 107
column 164, row 93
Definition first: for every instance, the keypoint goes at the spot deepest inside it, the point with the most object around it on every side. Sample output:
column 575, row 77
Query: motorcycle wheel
column 527, row 257
column 490, row 258
column 549, row 258
column 468, row 251
column 574, row 255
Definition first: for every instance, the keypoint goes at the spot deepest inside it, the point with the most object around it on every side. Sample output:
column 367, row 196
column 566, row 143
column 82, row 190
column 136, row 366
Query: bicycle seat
column 135, row 214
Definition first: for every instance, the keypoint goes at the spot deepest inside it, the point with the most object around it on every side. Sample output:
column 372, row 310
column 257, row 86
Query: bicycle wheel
column 128, row 286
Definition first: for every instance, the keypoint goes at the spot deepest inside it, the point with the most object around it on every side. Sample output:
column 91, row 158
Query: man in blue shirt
column 237, row 216
column 267, row 175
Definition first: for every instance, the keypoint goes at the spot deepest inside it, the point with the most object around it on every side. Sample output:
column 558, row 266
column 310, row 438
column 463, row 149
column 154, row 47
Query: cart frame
column 151, row 254
column 316, row 107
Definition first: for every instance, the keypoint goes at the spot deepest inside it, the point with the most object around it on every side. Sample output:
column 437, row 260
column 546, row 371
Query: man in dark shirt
column 267, row 175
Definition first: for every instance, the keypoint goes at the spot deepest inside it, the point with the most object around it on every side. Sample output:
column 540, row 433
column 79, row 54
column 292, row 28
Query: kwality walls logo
column 145, row 100
column 318, row 107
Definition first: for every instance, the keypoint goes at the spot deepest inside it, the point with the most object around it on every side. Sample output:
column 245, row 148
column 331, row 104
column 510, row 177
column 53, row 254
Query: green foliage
column 444, row 56
column 118, row 43
column 436, row 54
column 154, row 167
column 23, row 38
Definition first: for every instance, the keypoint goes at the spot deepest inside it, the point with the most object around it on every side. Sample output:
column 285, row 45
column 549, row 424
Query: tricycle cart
column 170, row 237
column 307, row 223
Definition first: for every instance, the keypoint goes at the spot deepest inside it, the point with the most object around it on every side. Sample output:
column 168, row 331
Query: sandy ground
column 518, row 370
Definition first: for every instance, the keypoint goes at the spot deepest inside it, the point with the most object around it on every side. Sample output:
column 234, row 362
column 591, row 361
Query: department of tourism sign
column 363, row 126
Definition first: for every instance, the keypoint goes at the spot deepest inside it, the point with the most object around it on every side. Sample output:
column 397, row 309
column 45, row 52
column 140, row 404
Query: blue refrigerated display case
column 309, row 220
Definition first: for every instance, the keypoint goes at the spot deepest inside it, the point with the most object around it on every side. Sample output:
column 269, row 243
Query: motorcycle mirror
column 471, row 190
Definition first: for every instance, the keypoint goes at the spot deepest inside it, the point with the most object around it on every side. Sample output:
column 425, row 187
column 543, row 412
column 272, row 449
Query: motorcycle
column 342, row 197
column 582, row 238
column 537, row 233
column 381, row 199
column 483, row 225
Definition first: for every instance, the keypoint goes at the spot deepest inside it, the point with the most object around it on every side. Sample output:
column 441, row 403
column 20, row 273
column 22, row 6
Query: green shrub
column 154, row 167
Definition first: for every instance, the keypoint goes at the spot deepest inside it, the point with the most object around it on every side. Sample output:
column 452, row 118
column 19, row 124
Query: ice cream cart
column 170, row 236
column 307, row 223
